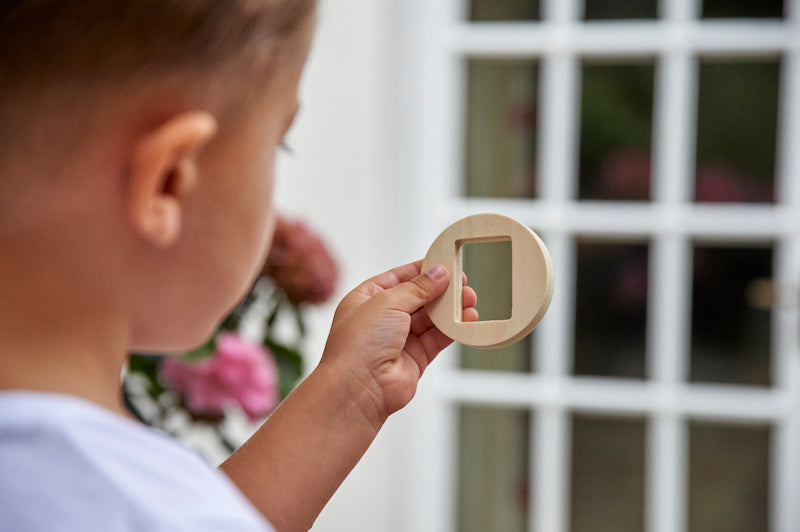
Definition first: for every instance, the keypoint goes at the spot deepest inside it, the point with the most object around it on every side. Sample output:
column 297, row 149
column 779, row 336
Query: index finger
column 391, row 278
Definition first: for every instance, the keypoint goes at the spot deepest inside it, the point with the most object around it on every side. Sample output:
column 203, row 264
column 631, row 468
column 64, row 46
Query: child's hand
column 380, row 343
column 382, row 339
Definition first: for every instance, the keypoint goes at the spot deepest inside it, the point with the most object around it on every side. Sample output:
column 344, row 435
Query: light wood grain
column 531, row 280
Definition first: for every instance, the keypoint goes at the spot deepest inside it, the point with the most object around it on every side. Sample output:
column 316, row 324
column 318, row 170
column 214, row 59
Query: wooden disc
column 531, row 280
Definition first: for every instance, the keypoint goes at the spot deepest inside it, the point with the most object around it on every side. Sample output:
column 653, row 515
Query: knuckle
column 419, row 287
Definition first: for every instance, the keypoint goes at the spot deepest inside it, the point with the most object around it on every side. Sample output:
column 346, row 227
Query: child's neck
column 55, row 337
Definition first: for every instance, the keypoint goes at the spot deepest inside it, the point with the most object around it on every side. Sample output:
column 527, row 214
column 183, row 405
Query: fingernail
column 436, row 272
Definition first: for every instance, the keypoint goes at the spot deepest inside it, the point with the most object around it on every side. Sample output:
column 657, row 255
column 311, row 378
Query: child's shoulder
column 70, row 465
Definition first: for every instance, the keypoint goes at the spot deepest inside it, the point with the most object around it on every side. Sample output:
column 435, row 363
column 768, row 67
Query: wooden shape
column 531, row 280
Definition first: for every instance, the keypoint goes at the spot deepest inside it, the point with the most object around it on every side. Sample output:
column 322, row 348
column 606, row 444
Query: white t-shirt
column 69, row 465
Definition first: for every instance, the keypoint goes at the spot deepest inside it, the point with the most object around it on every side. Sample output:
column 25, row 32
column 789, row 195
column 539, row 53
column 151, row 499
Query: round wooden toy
column 531, row 280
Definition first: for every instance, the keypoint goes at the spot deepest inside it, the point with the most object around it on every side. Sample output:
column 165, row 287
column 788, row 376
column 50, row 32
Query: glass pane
column 616, row 125
column 620, row 9
column 742, row 8
column 728, row 477
column 737, row 124
column 730, row 336
column 515, row 357
column 483, row 10
column 501, row 128
column 611, row 309
column 607, row 474
column 493, row 469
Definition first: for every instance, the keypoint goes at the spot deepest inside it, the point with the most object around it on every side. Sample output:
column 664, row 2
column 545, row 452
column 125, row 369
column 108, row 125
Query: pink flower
column 300, row 264
column 239, row 372
column 723, row 184
column 629, row 292
column 625, row 175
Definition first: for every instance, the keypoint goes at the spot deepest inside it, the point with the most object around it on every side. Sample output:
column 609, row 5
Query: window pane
column 728, row 477
column 742, row 8
column 515, row 357
column 607, row 474
column 730, row 337
column 493, row 470
column 737, row 123
column 620, row 9
column 482, row 10
column 501, row 128
column 616, row 125
column 611, row 309
column 488, row 268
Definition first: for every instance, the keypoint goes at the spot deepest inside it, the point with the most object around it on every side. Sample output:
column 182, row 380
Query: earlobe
column 163, row 169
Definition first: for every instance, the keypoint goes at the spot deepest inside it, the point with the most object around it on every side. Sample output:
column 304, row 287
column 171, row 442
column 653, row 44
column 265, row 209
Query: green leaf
column 147, row 366
column 298, row 315
column 231, row 322
column 290, row 366
column 205, row 350
column 273, row 315
column 234, row 319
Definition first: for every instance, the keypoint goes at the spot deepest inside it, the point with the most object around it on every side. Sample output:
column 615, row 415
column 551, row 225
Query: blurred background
column 654, row 146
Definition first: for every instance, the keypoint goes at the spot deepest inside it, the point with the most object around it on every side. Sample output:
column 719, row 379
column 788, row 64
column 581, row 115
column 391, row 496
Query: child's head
column 137, row 151
column 60, row 49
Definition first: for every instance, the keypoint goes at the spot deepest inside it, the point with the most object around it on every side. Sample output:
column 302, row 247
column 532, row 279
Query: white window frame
column 437, row 39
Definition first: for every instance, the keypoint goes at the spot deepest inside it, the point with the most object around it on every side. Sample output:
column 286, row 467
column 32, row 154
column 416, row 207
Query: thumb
column 412, row 295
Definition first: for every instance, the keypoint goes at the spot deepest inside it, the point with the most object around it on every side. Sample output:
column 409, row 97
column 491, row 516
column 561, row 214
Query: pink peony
column 300, row 264
column 723, row 184
column 625, row 175
column 239, row 372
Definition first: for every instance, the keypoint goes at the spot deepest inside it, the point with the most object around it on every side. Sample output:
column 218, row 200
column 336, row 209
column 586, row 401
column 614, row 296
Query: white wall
column 341, row 180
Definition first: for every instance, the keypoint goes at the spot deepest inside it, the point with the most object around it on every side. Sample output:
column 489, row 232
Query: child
column 136, row 168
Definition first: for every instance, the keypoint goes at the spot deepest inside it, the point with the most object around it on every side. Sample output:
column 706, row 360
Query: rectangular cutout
column 488, row 269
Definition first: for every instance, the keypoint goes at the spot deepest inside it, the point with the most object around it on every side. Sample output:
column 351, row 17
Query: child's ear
column 163, row 169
